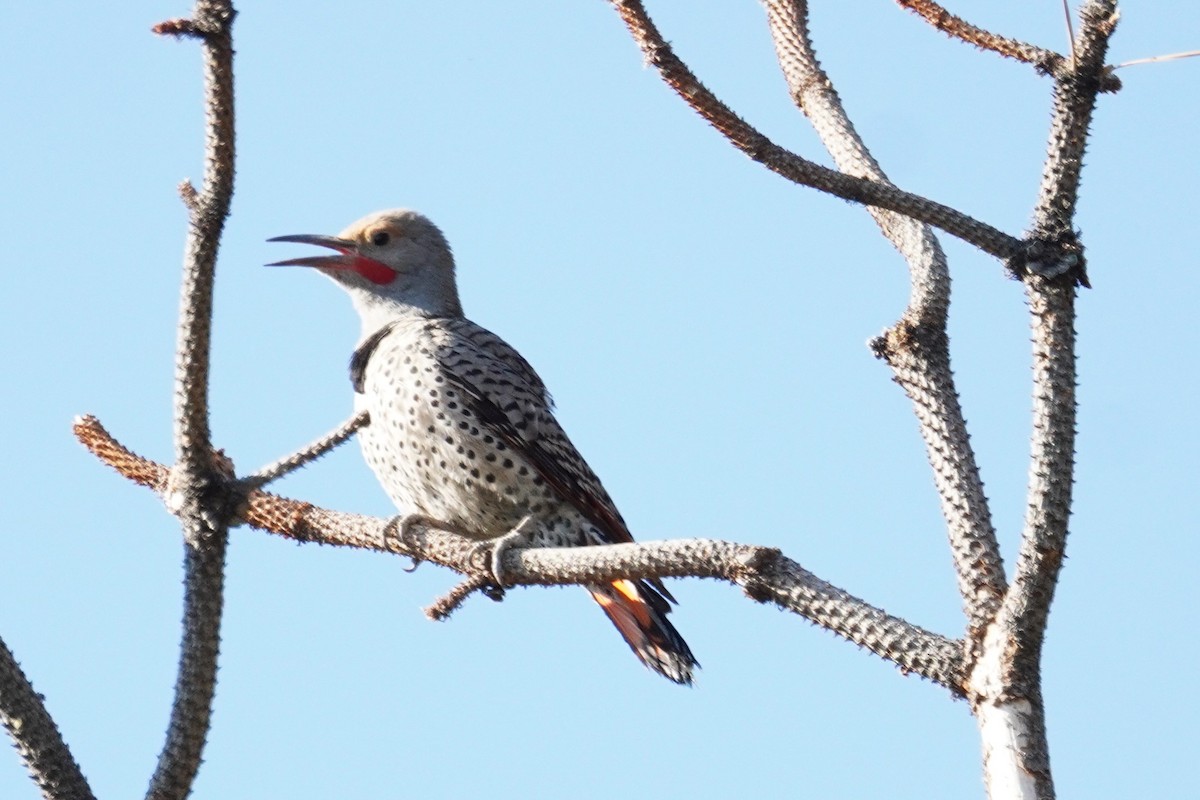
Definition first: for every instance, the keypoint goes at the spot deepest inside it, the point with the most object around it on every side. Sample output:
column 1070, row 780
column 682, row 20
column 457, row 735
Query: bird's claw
column 496, row 548
column 401, row 526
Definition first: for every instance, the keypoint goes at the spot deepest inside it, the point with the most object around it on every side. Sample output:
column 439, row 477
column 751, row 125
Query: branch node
column 753, row 560
column 1109, row 82
column 756, row 589
column 1051, row 257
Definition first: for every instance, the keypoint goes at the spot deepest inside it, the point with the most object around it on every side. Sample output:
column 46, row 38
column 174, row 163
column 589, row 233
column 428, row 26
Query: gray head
column 391, row 262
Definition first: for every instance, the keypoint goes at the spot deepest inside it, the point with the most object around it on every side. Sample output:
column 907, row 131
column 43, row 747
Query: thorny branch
column 306, row 454
column 783, row 162
column 1006, row 622
column 1045, row 61
column 35, row 735
column 197, row 487
column 916, row 347
column 1052, row 304
column 764, row 573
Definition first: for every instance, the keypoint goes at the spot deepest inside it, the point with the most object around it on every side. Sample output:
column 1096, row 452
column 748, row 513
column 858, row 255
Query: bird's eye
column 380, row 238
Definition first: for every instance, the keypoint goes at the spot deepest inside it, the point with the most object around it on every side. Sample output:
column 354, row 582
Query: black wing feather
column 566, row 485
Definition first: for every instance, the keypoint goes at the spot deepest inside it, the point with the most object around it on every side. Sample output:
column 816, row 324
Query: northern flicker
column 462, row 429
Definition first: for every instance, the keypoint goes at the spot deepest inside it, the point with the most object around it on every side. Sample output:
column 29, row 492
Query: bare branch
column 307, row 454
column 1051, row 474
column 441, row 609
column 791, row 166
column 35, row 735
column 197, row 488
column 764, row 573
column 916, row 347
column 1074, row 102
column 211, row 22
column 1066, row 7
column 1046, row 61
column 1005, row 687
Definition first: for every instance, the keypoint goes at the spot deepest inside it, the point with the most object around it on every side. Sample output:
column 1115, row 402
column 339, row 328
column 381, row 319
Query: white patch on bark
column 1003, row 724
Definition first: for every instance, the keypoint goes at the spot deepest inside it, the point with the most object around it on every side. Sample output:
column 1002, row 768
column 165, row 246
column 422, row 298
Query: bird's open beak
column 348, row 257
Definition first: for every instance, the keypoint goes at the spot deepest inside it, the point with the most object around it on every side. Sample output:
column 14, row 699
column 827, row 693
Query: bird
column 462, row 429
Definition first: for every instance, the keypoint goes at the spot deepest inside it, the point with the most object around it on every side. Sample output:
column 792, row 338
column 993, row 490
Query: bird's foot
column 401, row 527
column 520, row 535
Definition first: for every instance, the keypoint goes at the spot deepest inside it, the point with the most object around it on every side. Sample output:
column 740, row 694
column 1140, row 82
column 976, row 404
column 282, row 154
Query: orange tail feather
column 640, row 615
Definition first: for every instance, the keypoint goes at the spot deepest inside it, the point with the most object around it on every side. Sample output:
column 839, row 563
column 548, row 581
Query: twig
column 1066, row 7
column 179, row 28
column 1154, row 59
column 764, row 573
column 441, row 609
column 307, row 454
column 199, row 494
column 791, row 166
column 1045, row 61
column 916, row 347
column 190, row 197
column 35, row 735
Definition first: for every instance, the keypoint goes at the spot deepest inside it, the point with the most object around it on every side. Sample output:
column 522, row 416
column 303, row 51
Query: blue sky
column 702, row 325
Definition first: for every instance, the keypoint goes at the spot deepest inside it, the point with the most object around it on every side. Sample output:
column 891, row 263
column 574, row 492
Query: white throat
column 376, row 310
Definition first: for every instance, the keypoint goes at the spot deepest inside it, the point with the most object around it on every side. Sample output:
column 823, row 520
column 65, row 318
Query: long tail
column 640, row 614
